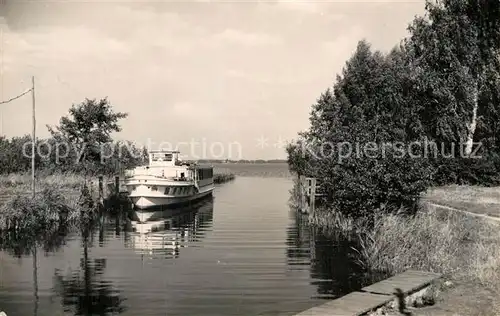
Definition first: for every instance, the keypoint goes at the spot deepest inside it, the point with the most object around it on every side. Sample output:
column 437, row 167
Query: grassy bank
column 60, row 199
column 435, row 240
column 21, row 182
column 464, row 248
column 480, row 200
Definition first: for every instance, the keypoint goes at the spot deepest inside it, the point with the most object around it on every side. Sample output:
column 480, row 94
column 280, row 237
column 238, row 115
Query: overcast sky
column 212, row 71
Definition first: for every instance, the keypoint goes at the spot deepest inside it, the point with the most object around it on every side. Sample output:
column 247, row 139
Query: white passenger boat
column 168, row 181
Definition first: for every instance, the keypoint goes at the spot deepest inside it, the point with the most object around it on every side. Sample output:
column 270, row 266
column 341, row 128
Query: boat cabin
column 163, row 158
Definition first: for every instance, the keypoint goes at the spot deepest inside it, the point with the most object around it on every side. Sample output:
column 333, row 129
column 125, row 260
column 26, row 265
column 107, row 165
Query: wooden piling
column 312, row 195
column 307, row 189
column 117, row 185
column 101, row 191
column 302, row 190
column 101, row 187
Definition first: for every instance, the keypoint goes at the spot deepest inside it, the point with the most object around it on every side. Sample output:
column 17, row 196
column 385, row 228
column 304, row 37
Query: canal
column 244, row 252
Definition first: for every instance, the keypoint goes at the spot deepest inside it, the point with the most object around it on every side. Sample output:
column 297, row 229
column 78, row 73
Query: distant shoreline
column 242, row 161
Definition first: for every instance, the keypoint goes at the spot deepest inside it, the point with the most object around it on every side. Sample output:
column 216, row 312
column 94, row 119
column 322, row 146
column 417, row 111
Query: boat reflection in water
column 161, row 233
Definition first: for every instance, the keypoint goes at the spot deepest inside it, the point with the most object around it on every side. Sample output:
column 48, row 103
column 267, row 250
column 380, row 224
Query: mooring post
column 307, row 195
column 117, row 185
column 302, row 191
column 101, row 186
column 101, row 190
column 312, row 195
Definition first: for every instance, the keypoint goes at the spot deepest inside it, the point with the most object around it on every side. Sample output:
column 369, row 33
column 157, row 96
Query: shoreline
column 463, row 244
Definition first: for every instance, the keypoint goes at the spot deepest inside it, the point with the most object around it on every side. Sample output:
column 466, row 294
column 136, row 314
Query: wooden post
column 101, row 191
column 101, row 187
column 33, row 145
column 302, row 184
column 312, row 195
column 117, row 185
column 312, row 242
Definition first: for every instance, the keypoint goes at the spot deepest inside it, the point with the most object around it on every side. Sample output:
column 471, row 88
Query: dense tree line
column 80, row 143
column 425, row 113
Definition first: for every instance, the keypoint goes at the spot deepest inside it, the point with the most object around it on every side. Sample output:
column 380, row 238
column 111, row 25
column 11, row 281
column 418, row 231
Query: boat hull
column 154, row 202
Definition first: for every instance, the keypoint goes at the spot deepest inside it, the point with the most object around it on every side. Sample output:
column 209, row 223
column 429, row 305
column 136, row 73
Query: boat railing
column 158, row 175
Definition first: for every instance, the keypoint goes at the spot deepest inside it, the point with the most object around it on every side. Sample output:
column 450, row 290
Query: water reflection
column 332, row 260
column 84, row 291
column 19, row 243
column 250, row 257
column 161, row 233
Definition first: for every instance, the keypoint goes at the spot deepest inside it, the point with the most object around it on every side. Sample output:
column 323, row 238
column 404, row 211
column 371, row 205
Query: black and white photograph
column 249, row 157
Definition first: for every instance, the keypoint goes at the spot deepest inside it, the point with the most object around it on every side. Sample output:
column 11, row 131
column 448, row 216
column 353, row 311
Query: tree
column 15, row 154
column 87, row 127
column 368, row 105
column 455, row 55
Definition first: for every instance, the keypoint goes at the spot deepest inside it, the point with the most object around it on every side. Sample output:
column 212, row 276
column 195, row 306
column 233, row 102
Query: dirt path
column 464, row 298
column 485, row 216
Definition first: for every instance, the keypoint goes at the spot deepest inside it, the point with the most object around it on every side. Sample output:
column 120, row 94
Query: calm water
column 244, row 252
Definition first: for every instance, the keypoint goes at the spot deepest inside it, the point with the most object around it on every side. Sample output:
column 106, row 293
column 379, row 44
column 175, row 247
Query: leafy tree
column 368, row 105
column 455, row 52
column 15, row 154
column 441, row 84
column 88, row 127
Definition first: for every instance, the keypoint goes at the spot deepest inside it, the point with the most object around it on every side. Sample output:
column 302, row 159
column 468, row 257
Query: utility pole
column 34, row 138
column 1, row 78
column 33, row 143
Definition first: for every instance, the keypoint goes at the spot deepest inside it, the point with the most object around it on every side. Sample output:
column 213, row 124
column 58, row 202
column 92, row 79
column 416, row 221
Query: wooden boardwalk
column 355, row 303
column 408, row 281
column 374, row 296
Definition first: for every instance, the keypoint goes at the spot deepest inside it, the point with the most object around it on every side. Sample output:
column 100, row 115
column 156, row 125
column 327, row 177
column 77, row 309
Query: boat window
column 162, row 157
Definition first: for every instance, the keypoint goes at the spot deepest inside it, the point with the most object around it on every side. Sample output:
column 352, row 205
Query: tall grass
column 45, row 220
column 63, row 181
column 22, row 212
column 62, row 202
column 436, row 240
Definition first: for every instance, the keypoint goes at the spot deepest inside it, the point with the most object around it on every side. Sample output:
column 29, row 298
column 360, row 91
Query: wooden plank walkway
column 355, row 303
column 408, row 281
column 374, row 296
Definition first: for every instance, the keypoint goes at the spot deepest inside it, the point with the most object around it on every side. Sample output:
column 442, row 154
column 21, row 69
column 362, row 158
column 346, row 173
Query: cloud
column 189, row 65
column 344, row 45
column 302, row 6
column 192, row 112
column 246, row 39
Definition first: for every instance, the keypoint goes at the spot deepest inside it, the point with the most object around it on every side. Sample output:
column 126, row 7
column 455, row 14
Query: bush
column 363, row 186
column 483, row 171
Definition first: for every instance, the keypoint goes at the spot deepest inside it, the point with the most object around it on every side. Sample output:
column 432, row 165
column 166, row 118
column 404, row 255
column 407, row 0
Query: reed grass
column 19, row 182
column 49, row 207
column 434, row 240
column 61, row 200
column 222, row 175
column 458, row 246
